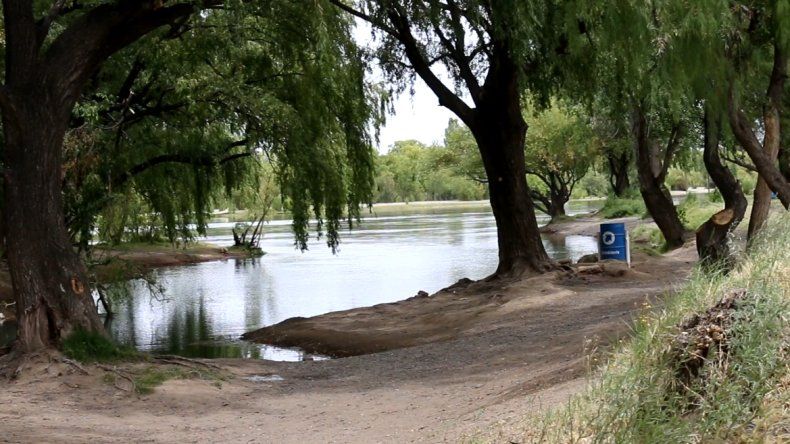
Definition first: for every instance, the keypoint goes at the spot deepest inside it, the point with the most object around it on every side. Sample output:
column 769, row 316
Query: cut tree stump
column 712, row 238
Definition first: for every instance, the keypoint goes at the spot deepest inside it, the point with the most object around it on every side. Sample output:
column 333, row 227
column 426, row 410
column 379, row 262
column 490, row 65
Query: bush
column 681, row 179
column 593, row 184
column 622, row 206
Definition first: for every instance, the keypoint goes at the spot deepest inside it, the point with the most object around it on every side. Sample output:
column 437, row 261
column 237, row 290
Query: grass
column 153, row 376
column 740, row 396
column 146, row 379
column 92, row 348
column 89, row 347
column 647, row 238
column 695, row 210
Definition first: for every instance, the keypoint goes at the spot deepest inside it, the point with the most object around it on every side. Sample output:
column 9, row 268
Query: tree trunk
column 500, row 132
column 42, row 84
column 618, row 173
column 559, row 197
column 557, row 209
column 652, row 171
column 49, row 279
column 784, row 158
column 761, row 205
column 713, row 236
column 712, row 239
column 729, row 187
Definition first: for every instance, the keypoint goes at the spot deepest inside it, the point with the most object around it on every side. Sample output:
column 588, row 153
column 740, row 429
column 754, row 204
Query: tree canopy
column 184, row 117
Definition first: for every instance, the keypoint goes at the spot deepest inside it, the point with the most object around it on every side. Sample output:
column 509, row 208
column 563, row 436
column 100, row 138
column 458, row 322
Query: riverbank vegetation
column 711, row 365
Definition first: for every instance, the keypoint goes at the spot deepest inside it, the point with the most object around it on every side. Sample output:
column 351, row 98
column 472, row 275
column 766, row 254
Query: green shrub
column 615, row 207
column 681, row 179
column 593, row 184
column 86, row 346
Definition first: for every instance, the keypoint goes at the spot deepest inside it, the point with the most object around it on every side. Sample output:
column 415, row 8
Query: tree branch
column 368, row 18
column 738, row 162
column 743, row 132
column 446, row 97
column 206, row 161
column 669, row 151
column 103, row 30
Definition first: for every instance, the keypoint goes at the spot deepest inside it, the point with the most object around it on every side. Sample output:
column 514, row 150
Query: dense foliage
column 176, row 123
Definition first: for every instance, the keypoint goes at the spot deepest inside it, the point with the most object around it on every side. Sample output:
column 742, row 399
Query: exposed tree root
column 120, row 374
column 74, row 364
column 700, row 336
column 186, row 362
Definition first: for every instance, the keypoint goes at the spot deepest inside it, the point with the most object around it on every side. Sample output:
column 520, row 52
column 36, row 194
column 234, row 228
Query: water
column 207, row 306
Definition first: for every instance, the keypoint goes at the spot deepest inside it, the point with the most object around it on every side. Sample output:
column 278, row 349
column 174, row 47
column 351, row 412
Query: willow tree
column 758, row 53
column 493, row 51
column 639, row 72
column 269, row 91
column 53, row 55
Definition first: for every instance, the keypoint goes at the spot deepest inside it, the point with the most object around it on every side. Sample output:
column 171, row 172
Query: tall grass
column 740, row 396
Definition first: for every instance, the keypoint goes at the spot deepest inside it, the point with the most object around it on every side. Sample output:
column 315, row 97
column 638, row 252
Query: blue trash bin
column 613, row 243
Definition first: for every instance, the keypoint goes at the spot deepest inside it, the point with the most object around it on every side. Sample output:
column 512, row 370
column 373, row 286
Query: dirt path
column 493, row 356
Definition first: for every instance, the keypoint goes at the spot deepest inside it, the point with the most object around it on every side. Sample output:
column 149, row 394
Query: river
column 205, row 307
column 201, row 310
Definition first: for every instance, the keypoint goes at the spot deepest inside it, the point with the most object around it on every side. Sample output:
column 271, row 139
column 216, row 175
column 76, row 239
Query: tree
column 641, row 70
column 614, row 142
column 559, row 152
column 714, row 235
column 53, row 56
column 653, row 160
column 760, row 34
column 492, row 51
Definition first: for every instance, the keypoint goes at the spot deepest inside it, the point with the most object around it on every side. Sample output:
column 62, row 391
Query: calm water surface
column 201, row 310
column 206, row 307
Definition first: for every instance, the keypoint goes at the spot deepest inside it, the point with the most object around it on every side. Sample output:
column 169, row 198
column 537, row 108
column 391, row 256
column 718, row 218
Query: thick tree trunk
column 42, row 84
column 726, row 182
column 49, row 278
column 557, row 208
column 652, row 171
column 520, row 245
column 712, row 239
column 618, row 173
column 761, row 206
column 714, row 235
column 500, row 132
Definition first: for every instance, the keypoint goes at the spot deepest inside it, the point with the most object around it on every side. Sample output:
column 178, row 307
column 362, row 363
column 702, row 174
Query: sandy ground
column 480, row 357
